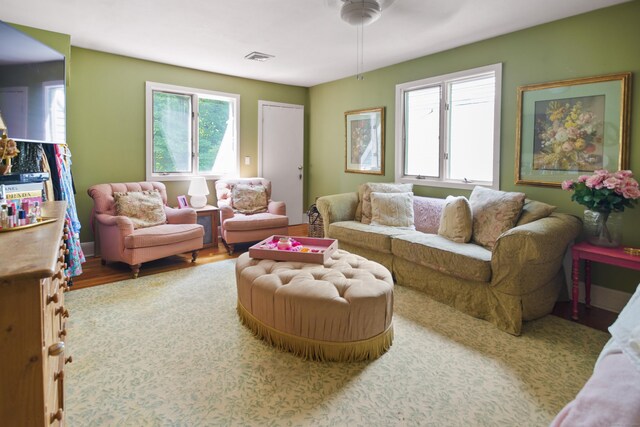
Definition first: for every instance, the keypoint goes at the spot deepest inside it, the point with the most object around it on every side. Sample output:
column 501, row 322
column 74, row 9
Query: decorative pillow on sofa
column 379, row 187
column 392, row 209
column 249, row 199
column 494, row 212
column 533, row 211
column 144, row 208
column 456, row 221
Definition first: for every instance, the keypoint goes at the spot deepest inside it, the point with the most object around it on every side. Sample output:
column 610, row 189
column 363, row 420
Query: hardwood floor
column 94, row 274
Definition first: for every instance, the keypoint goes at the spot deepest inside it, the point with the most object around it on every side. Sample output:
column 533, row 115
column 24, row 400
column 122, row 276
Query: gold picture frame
column 364, row 141
column 572, row 127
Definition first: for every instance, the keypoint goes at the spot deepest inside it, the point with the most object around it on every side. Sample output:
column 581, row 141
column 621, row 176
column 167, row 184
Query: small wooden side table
column 588, row 252
column 209, row 218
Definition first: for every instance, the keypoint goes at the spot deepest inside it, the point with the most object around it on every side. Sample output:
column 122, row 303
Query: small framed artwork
column 182, row 202
column 364, row 141
column 572, row 127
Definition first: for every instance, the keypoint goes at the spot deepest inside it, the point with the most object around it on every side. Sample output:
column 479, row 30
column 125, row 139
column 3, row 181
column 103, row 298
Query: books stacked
column 19, row 193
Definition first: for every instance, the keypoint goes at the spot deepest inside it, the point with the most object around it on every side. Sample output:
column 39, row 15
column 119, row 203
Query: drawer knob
column 56, row 416
column 56, row 349
column 68, row 360
column 62, row 311
column 53, row 298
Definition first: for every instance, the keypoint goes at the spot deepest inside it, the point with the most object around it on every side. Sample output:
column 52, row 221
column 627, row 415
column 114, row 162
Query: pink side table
column 588, row 252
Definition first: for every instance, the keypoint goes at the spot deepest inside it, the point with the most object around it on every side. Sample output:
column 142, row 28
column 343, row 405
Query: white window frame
column 443, row 80
column 150, row 87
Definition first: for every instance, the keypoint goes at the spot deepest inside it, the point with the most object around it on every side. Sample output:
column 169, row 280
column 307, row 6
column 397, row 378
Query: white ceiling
column 310, row 43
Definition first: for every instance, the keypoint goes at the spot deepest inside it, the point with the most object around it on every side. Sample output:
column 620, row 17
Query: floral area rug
column 169, row 350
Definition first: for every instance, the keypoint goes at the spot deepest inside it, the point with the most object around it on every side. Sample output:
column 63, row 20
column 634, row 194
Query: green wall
column 600, row 42
column 106, row 115
column 106, row 118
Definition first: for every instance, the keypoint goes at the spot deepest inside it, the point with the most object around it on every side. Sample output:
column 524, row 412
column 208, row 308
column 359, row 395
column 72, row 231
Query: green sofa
column 518, row 280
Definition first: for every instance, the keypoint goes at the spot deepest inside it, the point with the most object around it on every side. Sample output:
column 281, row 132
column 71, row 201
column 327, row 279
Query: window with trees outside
column 190, row 132
column 448, row 129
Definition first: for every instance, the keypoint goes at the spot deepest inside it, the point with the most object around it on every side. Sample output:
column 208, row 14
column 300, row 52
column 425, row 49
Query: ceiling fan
column 360, row 12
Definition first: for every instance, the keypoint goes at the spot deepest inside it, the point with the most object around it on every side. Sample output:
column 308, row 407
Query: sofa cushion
column 249, row 199
column 166, row 234
column 379, row 187
column 533, row 211
column 494, row 212
column 456, row 220
column 144, row 208
column 259, row 221
column 374, row 237
column 463, row 260
column 392, row 209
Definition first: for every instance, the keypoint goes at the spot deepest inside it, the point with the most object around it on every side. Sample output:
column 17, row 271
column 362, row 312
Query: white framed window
column 448, row 129
column 191, row 132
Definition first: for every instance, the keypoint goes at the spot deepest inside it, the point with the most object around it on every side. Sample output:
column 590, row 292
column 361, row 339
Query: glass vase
column 603, row 228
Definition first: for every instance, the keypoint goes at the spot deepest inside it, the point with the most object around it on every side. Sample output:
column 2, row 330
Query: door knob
column 299, row 168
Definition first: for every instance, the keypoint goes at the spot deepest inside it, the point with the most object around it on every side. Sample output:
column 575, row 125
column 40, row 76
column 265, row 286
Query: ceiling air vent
column 257, row 56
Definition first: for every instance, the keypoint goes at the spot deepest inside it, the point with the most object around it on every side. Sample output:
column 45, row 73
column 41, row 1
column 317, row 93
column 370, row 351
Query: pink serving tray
column 326, row 247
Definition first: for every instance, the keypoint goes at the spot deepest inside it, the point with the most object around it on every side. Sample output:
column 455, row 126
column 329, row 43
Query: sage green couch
column 519, row 280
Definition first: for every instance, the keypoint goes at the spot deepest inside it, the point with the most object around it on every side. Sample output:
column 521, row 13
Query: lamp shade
column 198, row 191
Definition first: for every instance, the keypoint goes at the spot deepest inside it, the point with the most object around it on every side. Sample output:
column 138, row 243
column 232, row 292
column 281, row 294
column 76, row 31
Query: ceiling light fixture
column 360, row 13
column 259, row 56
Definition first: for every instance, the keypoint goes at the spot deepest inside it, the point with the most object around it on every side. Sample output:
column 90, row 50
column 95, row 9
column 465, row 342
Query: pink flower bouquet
column 604, row 191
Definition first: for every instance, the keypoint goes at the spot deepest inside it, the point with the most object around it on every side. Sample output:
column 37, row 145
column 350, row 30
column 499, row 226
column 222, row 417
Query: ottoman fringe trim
column 349, row 351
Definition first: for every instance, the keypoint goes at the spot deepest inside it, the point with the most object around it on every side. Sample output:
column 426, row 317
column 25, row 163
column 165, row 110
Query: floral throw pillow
column 144, row 208
column 249, row 199
column 494, row 212
column 392, row 210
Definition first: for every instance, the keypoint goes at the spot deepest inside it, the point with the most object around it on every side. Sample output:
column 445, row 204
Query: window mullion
column 444, row 131
column 194, row 135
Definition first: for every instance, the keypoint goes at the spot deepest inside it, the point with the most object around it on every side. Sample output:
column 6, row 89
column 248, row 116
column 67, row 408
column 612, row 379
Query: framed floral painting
column 572, row 127
column 364, row 141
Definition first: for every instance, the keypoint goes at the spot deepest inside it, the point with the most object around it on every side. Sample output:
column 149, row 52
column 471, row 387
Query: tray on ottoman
column 319, row 250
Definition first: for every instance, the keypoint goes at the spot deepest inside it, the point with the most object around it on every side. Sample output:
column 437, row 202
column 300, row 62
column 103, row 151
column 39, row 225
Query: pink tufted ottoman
column 338, row 311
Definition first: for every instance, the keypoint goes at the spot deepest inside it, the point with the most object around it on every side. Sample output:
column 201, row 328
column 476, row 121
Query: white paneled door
column 281, row 154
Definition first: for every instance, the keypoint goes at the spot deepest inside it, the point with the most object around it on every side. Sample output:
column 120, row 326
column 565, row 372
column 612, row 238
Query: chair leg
column 135, row 269
column 194, row 256
column 228, row 247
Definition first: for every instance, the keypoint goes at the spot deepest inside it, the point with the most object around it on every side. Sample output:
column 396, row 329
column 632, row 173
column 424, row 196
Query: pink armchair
column 120, row 241
column 236, row 227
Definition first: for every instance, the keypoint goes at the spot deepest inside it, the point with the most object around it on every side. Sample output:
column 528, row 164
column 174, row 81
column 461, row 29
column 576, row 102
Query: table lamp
column 198, row 191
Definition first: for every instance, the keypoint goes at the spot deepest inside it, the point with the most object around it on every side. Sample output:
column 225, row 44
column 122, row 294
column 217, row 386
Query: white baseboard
column 601, row 297
column 605, row 298
column 88, row 248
